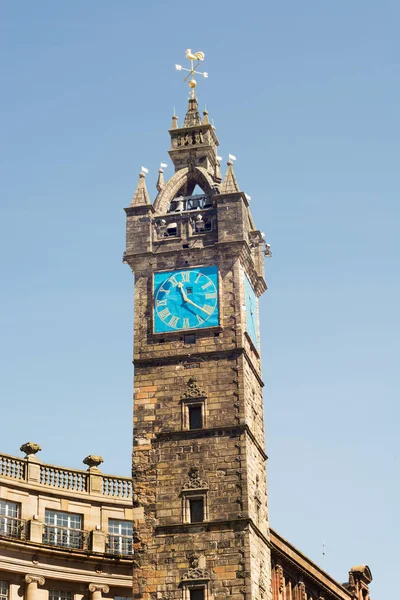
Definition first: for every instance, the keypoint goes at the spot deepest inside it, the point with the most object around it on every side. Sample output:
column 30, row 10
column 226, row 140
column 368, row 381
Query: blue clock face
column 186, row 299
column 251, row 312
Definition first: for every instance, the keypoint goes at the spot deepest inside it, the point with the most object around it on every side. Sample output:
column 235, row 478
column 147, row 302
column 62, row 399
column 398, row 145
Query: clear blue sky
column 306, row 95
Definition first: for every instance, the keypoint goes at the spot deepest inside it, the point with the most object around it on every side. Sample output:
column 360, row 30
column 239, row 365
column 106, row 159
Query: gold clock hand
column 188, row 300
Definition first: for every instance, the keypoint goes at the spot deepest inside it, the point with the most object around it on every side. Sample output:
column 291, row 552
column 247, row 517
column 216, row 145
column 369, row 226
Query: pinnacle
column 192, row 118
column 230, row 185
column 141, row 196
column 160, row 181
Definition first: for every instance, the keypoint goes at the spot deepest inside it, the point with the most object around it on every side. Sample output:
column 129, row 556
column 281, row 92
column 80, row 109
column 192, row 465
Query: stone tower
column 198, row 451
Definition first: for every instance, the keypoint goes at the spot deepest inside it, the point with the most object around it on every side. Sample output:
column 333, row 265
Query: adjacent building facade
column 65, row 534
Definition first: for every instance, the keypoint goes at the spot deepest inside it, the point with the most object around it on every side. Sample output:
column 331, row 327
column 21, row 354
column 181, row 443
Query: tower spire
column 230, row 185
column 141, row 196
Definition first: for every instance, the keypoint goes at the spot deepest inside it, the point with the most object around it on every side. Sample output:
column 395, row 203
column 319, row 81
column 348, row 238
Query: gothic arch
column 198, row 175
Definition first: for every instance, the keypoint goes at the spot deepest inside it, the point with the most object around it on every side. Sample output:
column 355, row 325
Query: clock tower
column 200, row 492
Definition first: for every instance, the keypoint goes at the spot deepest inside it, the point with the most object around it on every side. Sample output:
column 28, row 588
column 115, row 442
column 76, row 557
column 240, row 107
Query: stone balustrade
column 91, row 481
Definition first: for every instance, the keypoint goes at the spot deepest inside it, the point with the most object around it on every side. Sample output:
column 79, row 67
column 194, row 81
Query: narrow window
column 3, row 590
column 10, row 523
column 119, row 537
column 195, row 417
column 197, row 594
column 196, row 510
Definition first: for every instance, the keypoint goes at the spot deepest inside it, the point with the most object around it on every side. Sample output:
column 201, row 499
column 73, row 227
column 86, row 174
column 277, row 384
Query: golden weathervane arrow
column 199, row 56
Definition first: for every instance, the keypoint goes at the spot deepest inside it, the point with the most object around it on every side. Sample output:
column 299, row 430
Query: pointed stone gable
column 192, row 118
column 230, row 185
column 141, row 196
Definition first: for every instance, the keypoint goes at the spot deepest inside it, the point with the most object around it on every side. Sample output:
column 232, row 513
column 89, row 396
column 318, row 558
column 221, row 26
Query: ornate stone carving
column 192, row 390
column 302, row 591
column 279, row 578
column 195, row 482
column 98, row 587
column 196, row 569
column 30, row 448
column 93, row 461
column 38, row 579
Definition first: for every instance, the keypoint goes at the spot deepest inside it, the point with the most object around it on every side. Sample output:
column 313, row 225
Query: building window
column 3, row 590
column 196, row 510
column 195, row 416
column 64, row 529
column 196, row 593
column 10, row 523
column 119, row 537
column 193, row 413
column 60, row 595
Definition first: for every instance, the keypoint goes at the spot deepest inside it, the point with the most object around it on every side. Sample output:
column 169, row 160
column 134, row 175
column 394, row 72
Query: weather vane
column 197, row 56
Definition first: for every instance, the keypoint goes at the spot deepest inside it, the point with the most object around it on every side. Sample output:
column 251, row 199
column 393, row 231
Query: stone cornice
column 85, row 555
column 195, row 434
column 202, row 356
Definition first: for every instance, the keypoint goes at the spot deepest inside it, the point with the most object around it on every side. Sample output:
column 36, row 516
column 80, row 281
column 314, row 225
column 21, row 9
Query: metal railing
column 12, row 527
column 119, row 544
column 65, row 537
column 196, row 202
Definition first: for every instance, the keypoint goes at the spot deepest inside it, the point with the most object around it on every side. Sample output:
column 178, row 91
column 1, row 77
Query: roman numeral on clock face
column 163, row 314
column 173, row 322
column 161, row 302
column 199, row 319
column 186, row 323
column 208, row 309
column 206, row 285
column 173, row 280
column 185, row 276
column 211, row 295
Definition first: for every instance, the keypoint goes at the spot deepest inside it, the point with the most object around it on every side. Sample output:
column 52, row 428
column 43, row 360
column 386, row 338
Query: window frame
column 124, row 546
column 62, row 532
column 187, row 497
column 187, row 403
column 4, row 590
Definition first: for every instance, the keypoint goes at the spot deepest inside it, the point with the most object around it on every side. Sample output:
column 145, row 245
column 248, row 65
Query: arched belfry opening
column 188, row 189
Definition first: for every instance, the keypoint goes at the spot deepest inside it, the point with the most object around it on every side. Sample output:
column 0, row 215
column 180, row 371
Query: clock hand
column 188, row 300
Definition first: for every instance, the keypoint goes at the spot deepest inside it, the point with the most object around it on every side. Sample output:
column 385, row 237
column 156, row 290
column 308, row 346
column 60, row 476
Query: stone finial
column 174, row 122
column 230, row 185
column 93, row 461
column 30, row 448
column 141, row 196
column 160, row 181
column 205, row 120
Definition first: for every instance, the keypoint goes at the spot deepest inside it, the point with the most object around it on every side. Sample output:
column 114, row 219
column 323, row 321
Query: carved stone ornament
column 38, row 579
column 30, row 448
column 98, row 587
column 279, row 575
column 196, row 574
column 93, row 461
column 197, row 570
column 192, row 390
column 195, row 483
column 302, row 591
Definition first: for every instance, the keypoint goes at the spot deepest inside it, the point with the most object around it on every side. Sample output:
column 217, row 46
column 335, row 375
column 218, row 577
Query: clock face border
column 252, row 317
column 194, row 322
